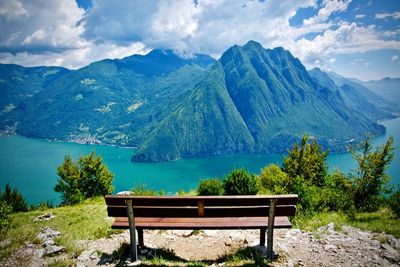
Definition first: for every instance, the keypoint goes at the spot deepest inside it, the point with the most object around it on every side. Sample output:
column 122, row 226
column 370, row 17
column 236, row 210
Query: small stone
column 125, row 193
column 236, row 237
column 44, row 217
column 48, row 233
column 5, row 243
column 53, row 250
column 330, row 247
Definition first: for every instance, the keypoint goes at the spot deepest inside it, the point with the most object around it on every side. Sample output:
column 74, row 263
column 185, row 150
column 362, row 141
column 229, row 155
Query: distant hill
column 355, row 95
column 252, row 100
column 357, row 90
column 388, row 88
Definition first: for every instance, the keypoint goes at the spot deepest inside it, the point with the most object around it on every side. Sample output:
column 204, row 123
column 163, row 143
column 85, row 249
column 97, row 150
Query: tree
column 370, row 179
column 210, row 187
column 240, row 182
column 13, row 199
column 307, row 161
column 273, row 180
column 5, row 211
column 83, row 179
column 69, row 183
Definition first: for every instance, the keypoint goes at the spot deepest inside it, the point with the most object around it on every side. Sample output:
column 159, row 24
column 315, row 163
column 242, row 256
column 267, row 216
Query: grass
column 89, row 221
column 86, row 221
column 382, row 221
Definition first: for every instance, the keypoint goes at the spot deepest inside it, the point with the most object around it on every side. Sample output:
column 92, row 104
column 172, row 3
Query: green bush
column 14, row 199
column 5, row 211
column 240, row 182
column 307, row 160
column 273, row 180
column 394, row 202
column 370, row 179
column 141, row 190
column 210, row 187
column 86, row 178
column 337, row 195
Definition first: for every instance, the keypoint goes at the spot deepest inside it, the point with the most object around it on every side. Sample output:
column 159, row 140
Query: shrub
column 5, row 211
column 370, row 179
column 86, row 178
column 210, row 187
column 14, row 199
column 308, row 161
column 337, row 194
column 273, row 180
column 240, row 182
column 141, row 190
column 394, row 202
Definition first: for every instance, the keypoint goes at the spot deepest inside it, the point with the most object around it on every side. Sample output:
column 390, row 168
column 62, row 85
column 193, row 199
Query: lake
column 30, row 165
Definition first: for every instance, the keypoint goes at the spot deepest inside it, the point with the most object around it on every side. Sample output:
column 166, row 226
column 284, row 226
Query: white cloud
column 395, row 58
column 395, row 15
column 360, row 16
column 348, row 38
column 330, row 7
column 74, row 58
column 40, row 25
column 39, row 32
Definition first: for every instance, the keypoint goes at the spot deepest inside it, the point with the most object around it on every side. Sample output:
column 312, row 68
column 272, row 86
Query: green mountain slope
column 252, row 100
column 271, row 95
column 17, row 87
column 109, row 102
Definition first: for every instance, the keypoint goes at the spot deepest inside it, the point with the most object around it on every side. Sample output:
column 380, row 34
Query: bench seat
column 138, row 213
column 154, row 223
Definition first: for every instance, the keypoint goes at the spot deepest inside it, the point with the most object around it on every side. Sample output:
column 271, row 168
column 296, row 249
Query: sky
column 359, row 39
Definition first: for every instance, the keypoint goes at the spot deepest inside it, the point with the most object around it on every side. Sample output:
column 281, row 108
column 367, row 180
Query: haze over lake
column 30, row 165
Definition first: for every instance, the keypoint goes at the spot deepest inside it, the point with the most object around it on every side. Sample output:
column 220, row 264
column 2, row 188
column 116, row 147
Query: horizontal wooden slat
column 180, row 212
column 202, row 223
column 257, row 200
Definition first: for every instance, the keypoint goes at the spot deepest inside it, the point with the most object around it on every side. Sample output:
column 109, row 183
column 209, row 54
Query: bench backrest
column 201, row 206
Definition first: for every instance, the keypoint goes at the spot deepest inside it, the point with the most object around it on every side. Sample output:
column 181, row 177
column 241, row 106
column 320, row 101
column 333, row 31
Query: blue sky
column 354, row 38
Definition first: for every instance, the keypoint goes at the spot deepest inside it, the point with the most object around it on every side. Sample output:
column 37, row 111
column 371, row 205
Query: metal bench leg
column 271, row 221
column 262, row 236
column 132, row 230
column 140, row 237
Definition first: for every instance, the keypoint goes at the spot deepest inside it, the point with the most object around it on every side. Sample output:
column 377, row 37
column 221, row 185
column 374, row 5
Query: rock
column 330, row 247
column 393, row 242
column 125, row 193
column 329, row 229
column 48, row 233
column 5, row 243
column 52, row 250
column 210, row 233
column 390, row 253
column 44, row 217
column 236, row 236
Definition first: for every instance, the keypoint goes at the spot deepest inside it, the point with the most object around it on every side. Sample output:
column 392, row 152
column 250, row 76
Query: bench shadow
column 249, row 256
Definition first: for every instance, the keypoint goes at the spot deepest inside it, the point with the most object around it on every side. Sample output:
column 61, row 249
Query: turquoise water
column 30, row 165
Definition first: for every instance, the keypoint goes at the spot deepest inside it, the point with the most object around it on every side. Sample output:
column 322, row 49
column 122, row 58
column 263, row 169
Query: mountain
column 388, row 88
column 272, row 100
column 18, row 85
column 114, row 101
column 355, row 95
column 169, row 106
column 355, row 89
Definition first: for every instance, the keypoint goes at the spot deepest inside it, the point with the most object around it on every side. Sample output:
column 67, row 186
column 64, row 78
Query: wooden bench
column 201, row 212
